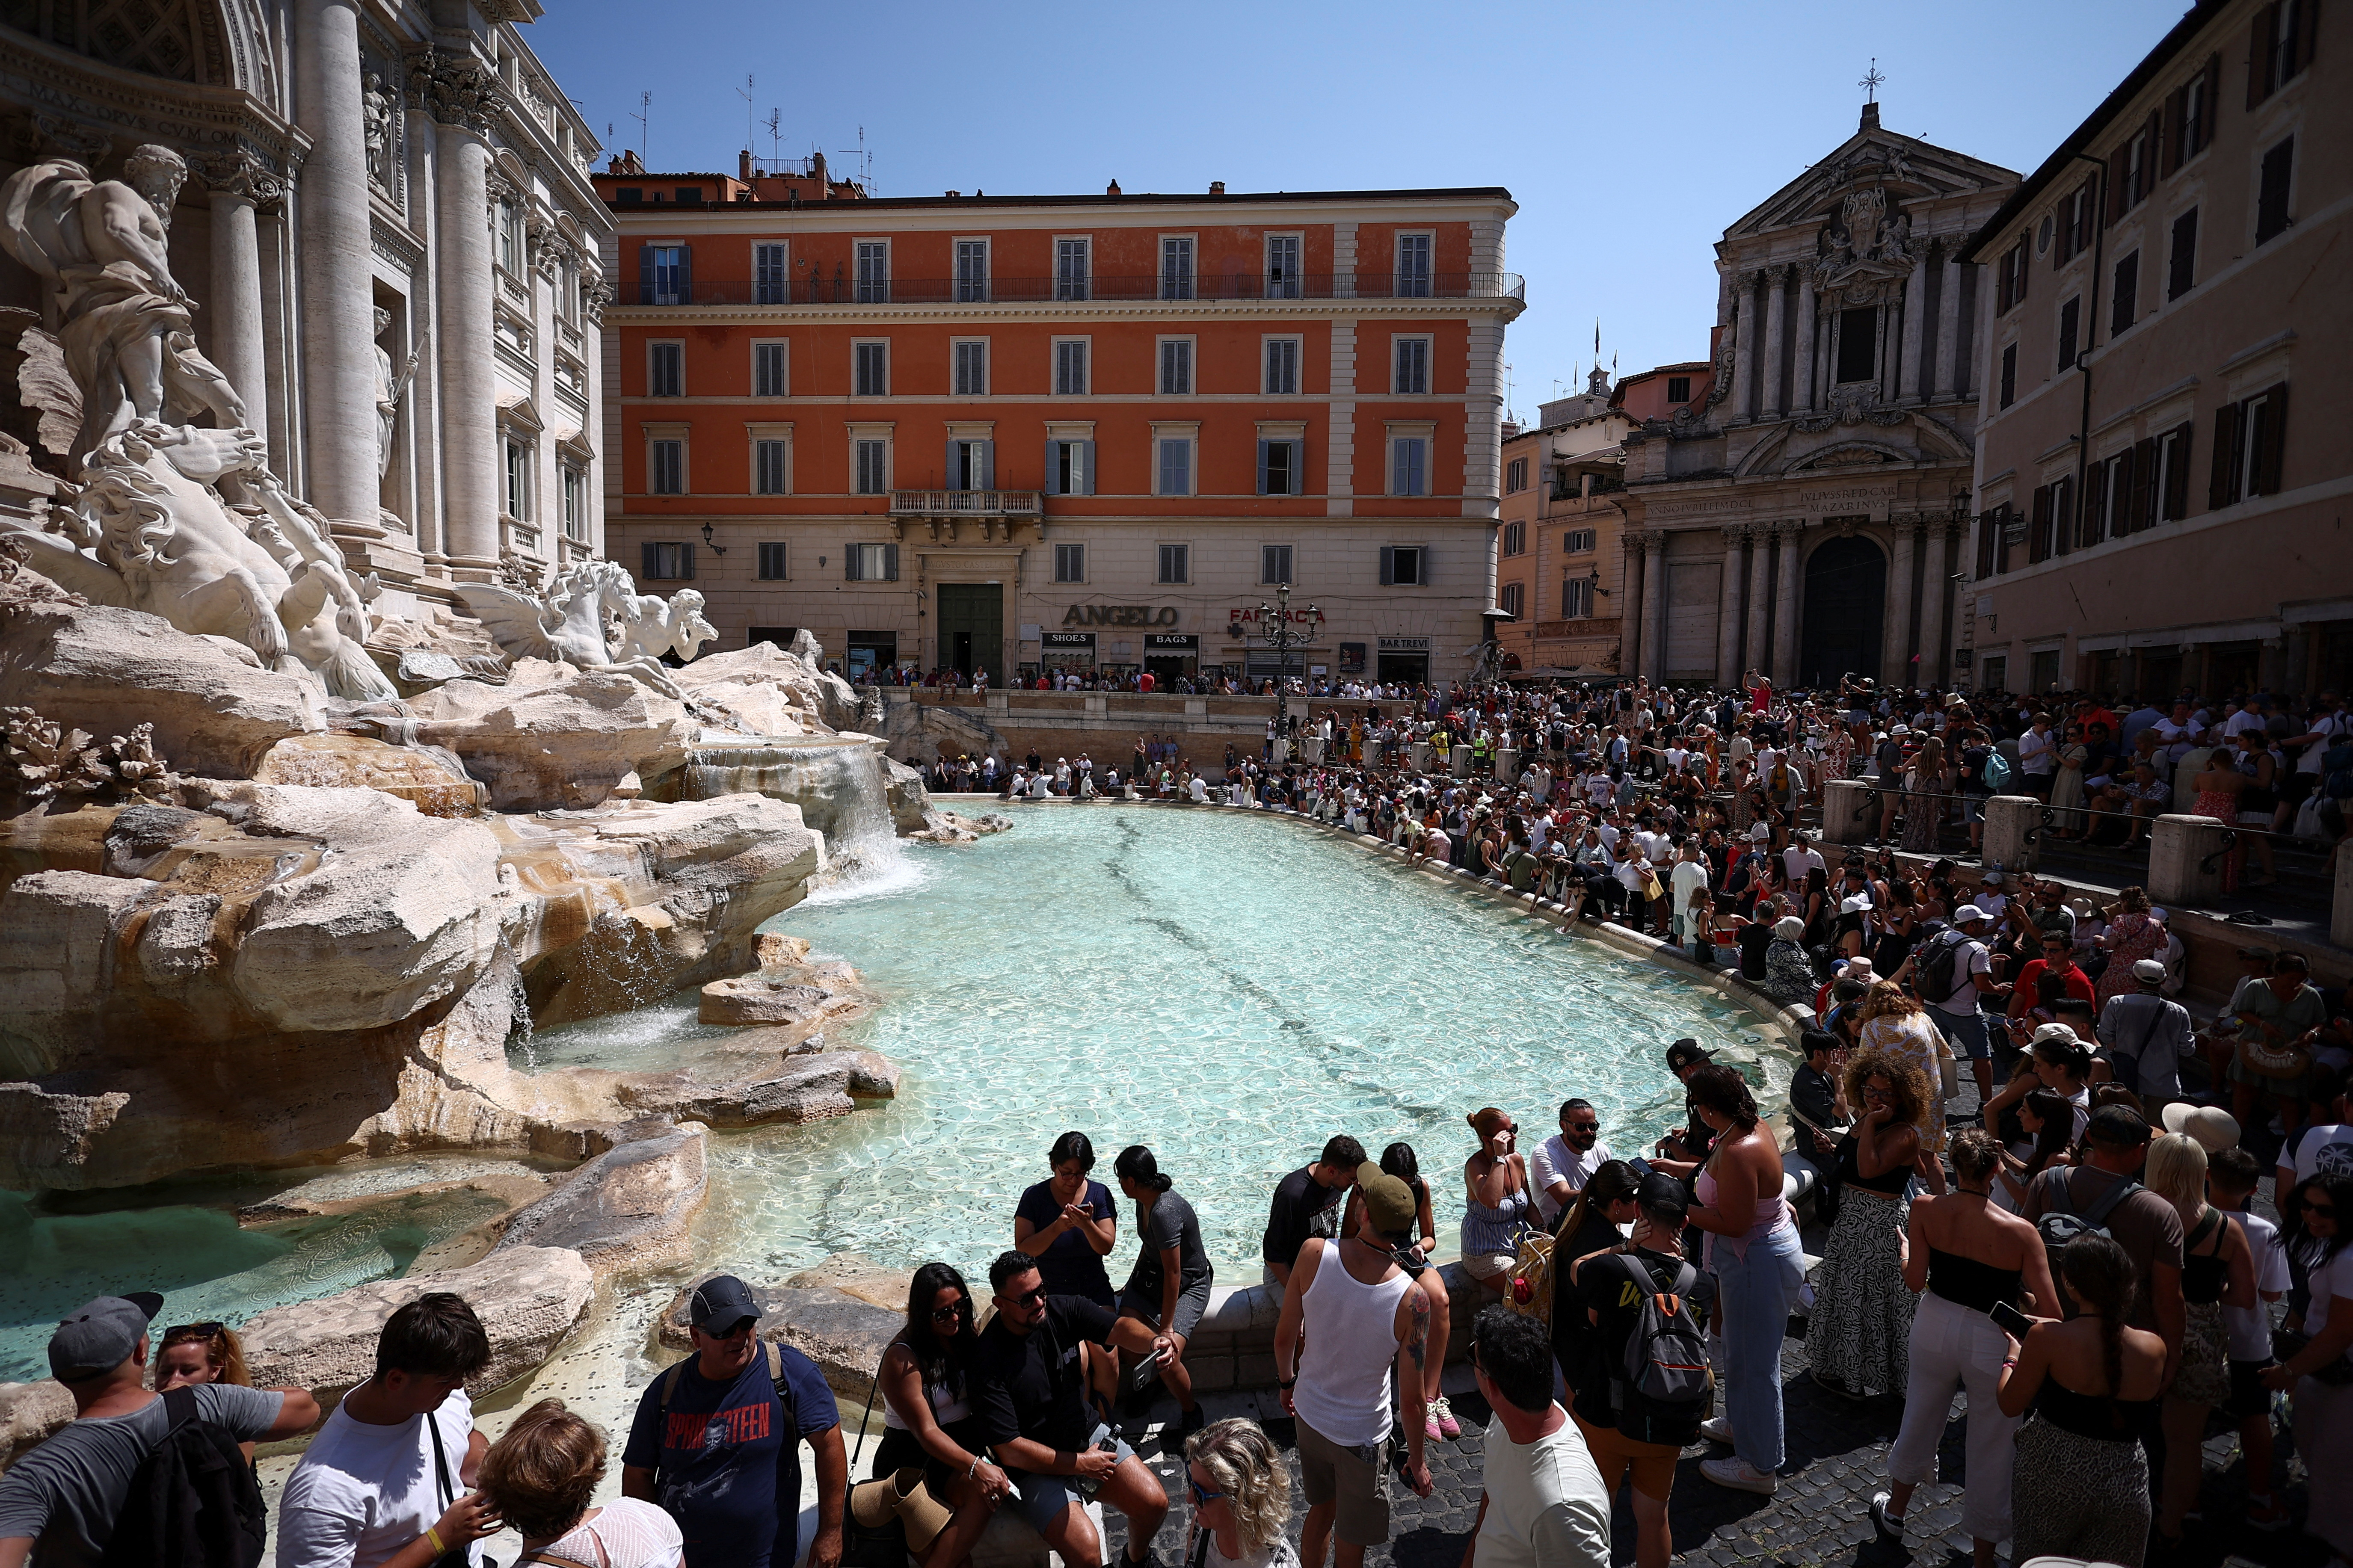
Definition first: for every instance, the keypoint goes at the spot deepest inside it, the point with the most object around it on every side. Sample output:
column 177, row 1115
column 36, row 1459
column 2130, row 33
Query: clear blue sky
column 1630, row 135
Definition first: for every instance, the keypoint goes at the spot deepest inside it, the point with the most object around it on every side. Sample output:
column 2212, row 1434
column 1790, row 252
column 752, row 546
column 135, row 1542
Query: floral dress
column 2134, row 936
column 1924, row 811
column 1911, row 1039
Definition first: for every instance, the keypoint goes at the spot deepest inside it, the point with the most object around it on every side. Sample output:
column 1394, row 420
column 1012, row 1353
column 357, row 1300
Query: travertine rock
column 96, row 668
column 629, row 1207
column 764, row 690
column 844, row 1335
column 911, row 802
column 802, row 1088
column 29, row 1412
column 554, row 735
column 435, row 783
column 787, row 989
column 528, row 1298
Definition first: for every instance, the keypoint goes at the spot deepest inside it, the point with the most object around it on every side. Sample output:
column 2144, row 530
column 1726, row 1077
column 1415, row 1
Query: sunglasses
column 1029, row 1298
column 950, row 1313
column 207, row 1330
column 1201, row 1494
column 1585, row 1127
column 2312, row 1208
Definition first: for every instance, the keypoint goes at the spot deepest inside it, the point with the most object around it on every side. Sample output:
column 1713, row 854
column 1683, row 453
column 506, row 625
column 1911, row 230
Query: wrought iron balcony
column 965, row 503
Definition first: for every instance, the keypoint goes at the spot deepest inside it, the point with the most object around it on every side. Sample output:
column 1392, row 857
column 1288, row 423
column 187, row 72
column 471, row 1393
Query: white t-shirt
column 1546, row 1508
column 1799, row 859
column 2331, row 1280
column 363, row 1492
column 1973, row 961
column 2251, row 1327
column 2324, row 1150
column 1553, row 1160
column 2035, row 752
column 625, row 1533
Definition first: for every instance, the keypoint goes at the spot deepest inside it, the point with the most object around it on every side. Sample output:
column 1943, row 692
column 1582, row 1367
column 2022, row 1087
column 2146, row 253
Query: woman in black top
column 2216, row 1268
column 1588, row 1226
column 1069, row 1224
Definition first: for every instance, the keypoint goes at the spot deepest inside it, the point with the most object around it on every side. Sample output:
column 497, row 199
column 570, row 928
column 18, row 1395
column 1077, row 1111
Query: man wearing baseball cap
column 2115, row 1143
column 2147, row 1033
column 60, row 1504
column 1971, row 977
column 717, row 1441
column 1364, row 1317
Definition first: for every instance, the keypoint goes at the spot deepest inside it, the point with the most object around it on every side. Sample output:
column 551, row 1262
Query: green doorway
column 972, row 628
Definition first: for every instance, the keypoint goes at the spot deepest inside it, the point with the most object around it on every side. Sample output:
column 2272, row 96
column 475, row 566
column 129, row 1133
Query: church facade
column 382, row 213
column 1805, row 517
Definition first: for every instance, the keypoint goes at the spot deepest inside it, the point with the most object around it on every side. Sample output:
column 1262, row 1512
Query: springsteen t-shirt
column 727, row 1457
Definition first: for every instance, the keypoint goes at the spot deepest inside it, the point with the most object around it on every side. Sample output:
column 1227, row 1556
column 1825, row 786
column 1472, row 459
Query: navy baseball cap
column 721, row 1304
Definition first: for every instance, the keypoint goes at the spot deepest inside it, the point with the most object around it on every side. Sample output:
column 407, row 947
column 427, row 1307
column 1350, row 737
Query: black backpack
column 1935, row 976
column 2061, row 1224
column 1663, row 1386
column 194, row 1501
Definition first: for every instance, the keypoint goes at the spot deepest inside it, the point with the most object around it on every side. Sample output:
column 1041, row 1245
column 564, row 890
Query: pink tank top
column 1772, row 1213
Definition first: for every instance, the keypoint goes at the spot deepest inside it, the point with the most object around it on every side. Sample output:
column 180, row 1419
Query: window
column 874, row 280
column 666, row 562
column 2189, row 116
column 1515, row 476
column 2279, row 46
column 2008, row 375
column 1858, row 343
column 2138, row 174
column 1175, row 367
column 971, row 271
column 1512, row 598
column 1176, row 564
column 1412, row 372
column 971, row 367
column 772, row 562
column 2124, row 304
column 576, row 503
column 667, row 461
column 1282, row 267
column 688, row 193
column 2169, row 474
column 2074, row 229
column 1405, row 565
column 1281, row 466
column 1176, row 267
column 869, row 374
column 1516, row 538
column 1413, row 276
column 1578, row 541
column 1274, row 562
column 664, row 275
column 2250, row 440
column 1073, row 274
column 870, row 563
column 1173, row 473
column 769, row 280
column 2181, row 266
column 518, row 496
column 510, row 227
column 873, row 467
column 2271, row 191
column 2055, row 510
column 1282, row 366
column 1070, row 563
column 972, row 465
column 632, row 195
column 768, row 370
column 1069, row 468
column 770, row 468
column 1678, row 389
column 1409, row 466
column 665, row 369
column 2011, row 281
column 1069, row 367
column 2070, row 321
column 1577, row 596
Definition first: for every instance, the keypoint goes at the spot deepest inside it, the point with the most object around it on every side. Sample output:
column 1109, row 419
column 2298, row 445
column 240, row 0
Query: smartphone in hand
column 1639, row 1167
column 2011, row 1321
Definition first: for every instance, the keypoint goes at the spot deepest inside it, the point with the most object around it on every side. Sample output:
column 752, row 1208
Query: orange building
column 1011, row 432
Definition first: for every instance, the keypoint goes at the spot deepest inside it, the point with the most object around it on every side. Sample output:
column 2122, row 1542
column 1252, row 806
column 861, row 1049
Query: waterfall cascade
column 837, row 783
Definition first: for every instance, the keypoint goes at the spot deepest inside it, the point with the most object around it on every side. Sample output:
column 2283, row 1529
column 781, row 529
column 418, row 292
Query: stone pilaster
column 1934, row 665
column 1804, row 399
column 1745, row 344
column 459, row 93
column 1951, row 368
column 1785, row 610
column 1897, row 619
column 1655, row 605
column 1760, row 586
column 1915, row 306
column 1727, row 610
column 338, row 302
column 1777, row 322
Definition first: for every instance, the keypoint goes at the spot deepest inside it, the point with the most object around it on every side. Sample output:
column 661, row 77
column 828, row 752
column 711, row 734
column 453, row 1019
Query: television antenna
column 865, row 161
column 775, row 136
column 644, row 117
column 751, row 121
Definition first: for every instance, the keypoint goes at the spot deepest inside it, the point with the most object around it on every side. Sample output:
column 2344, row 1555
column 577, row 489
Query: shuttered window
column 1274, row 563
column 2181, row 263
column 873, row 465
column 1071, row 367
column 665, row 369
column 772, row 562
column 2008, row 375
column 1280, row 468
column 1575, row 598
column 666, row 562
column 768, row 370
column 2279, row 45
column 1176, row 267
column 1174, row 475
column 768, row 275
column 1070, row 563
column 874, row 280
column 2071, row 322
column 2250, row 447
column 1073, row 270
column 2272, row 189
column 1412, row 373
column 665, row 274
column 1413, row 274
column 1405, row 565
column 1176, row 564
column 2169, row 478
column 971, row 465
column 769, row 467
column 870, row 368
column 1516, row 539
column 1177, row 367
column 1514, row 595
column 1069, row 468
column 971, row 368
column 971, row 271
column 667, row 459
column 2124, row 299
column 1282, row 267
column 869, row 562
column 1281, row 367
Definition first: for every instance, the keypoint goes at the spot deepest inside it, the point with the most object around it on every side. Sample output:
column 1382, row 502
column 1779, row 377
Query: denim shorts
column 1045, row 1498
column 1973, row 806
column 1967, row 1031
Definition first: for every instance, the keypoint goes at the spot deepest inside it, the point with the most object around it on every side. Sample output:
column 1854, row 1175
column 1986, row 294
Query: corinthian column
column 236, row 182
column 1950, row 372
column 1727, row 611
column 1777, row 320
column 1896, row 632
column 1934, row 666
column 1760, row 586
column 1804, row 400
column 458, row 92
column 1785, row 610
column 338, row 401
column 1744, row 345
column 1654, row 605
column 1630, row 625
column 1916, row 305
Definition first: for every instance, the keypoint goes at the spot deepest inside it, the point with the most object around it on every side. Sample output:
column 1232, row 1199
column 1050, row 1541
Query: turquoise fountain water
column 1228, row 989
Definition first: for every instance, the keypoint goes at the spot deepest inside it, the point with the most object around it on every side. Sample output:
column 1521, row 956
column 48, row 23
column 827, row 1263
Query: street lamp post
column 1282, row 639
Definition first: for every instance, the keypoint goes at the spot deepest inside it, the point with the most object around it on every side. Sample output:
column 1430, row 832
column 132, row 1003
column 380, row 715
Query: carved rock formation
column 555, row 734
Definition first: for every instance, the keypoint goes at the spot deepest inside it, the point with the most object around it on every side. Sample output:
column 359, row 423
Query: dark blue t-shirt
column 725, row 1468
column 1070, row 1267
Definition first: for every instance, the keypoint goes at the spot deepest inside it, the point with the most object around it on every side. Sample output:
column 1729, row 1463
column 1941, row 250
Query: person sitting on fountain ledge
column 717, row 1441
column 1031, row 1397
column 64, row 1503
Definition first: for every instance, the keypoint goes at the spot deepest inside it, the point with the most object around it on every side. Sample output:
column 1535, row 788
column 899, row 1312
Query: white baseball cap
column 1967, row 913
column 2149, row 972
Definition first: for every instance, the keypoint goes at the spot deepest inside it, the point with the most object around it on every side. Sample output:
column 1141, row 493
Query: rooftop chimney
column 1112, row 189
column 744, row 164
column 956, row 192
column 1217, row 187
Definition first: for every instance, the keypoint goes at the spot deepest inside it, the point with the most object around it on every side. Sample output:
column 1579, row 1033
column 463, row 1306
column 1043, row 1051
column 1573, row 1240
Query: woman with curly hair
column 540, row 1476
column 1893, row 1022
column 1241, row 1497
column 1859, row 1335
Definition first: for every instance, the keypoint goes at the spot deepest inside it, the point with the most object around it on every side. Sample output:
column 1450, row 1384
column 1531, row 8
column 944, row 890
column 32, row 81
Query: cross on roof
column 1871, row 80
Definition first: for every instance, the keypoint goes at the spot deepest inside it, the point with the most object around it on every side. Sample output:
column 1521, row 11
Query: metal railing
column 966, row 503
column 1115, row 288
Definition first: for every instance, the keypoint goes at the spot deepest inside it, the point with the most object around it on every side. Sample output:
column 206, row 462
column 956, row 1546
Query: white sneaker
column 1735, row 1472
column 1717, row 1429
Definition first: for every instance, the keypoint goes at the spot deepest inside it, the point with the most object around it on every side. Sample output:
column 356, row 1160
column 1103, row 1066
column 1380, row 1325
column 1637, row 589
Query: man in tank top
column 1363, row 1316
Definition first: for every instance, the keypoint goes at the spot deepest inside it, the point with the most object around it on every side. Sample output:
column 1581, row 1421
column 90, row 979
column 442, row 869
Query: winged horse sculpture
column 568, row 623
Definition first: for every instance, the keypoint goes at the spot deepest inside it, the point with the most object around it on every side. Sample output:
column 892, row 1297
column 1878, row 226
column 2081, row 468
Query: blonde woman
column 1895, row 1023
column 2217, row 1270
column 1241, row 1498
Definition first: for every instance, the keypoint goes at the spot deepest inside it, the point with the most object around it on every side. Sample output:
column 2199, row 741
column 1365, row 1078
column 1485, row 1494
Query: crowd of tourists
column 1211, row 682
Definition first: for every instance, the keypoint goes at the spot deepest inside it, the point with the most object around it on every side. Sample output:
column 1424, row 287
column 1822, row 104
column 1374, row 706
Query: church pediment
column 1908, row 169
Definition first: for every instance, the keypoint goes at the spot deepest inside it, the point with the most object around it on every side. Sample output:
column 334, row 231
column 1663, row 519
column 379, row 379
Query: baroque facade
column 384, row 219
column 1801, row 518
